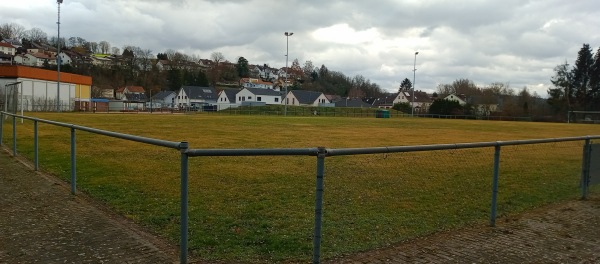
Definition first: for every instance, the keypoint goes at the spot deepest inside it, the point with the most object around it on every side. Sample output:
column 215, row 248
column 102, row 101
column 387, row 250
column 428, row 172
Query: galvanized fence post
column 585, row 169
column 495, row 184
column 35, row 146
column 14, row 123
column 183, row 250
column 1, row 126
column 319, row 205
column 73, row 165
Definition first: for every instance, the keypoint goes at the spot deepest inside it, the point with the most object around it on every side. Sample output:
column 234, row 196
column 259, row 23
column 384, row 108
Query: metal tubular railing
column 321, row 153
column 182, row 146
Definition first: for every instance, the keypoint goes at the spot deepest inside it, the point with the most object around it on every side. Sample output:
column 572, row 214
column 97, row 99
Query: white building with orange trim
column 38, row 89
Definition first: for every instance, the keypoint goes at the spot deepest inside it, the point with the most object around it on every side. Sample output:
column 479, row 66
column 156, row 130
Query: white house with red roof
column 7, row 48
column 255, row 83
column 120, row 93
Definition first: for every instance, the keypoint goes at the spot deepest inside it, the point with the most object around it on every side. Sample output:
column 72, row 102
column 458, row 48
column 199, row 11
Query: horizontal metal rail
column 151, row 141
column 253, row 152
column 395, row 149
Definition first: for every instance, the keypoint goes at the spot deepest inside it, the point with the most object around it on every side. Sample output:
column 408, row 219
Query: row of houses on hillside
column 34, row 54
column 196, row 98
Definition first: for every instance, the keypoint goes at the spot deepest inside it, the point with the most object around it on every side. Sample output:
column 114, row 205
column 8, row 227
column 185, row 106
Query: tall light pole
column 58, row 60
column 287, row 41
column 412, row 107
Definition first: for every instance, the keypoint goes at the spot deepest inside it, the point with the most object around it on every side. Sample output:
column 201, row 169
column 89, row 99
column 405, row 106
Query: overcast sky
column 511, row 41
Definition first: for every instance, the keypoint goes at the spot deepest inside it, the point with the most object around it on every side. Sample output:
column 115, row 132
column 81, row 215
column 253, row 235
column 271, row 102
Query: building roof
column 262, row 91
column 252, row 80
column 385, row 100
column 163, row 94
column 18, row 71
column 131, row 89
column 306, row 97
column 8, row 45
column 14, row 42
column 41, row 55
column 352, row 102
column 230, row 94
column 198, row 92
column 421, row 97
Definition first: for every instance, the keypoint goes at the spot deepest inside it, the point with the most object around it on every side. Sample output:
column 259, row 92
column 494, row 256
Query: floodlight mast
column 58, row 62
column 412, row 107
column 287, row 37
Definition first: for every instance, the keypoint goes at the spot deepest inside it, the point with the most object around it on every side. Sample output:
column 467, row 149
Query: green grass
column 261, row 209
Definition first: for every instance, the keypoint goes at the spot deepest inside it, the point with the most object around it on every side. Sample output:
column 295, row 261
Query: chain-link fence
column 268, row 204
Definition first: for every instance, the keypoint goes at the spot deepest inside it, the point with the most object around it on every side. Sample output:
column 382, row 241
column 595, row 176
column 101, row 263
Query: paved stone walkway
column 564, row 233
column 41, row 222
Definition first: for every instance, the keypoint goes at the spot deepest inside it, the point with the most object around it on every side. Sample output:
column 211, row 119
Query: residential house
column 206, row 64
column 133, row 98
column 6, row 59
column 267, row 73
column 64, row 58
column 254, row 71
column 35, row 59
column 13, row 42
column 7, row 48
column 484, row 105
column 334, row 98
column 385, row 102
column 352, row 102
column 121, row 93
column 70, row 57
column 305, row 98
column 163, row 99
column 258, row 96
column 195, row 97
column 421, row 102
column 101, row 59
column 163, row 65
column 21, row 59
column 255, row 83
column 462, row 100
column 227, row 99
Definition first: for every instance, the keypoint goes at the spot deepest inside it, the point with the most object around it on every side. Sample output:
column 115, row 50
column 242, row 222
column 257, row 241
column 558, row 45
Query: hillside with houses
column 133, row 78
column 172, row 80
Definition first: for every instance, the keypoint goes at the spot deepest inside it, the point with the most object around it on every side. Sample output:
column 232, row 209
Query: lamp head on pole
column 289, row 33
column 416, row 53
column 59, row 1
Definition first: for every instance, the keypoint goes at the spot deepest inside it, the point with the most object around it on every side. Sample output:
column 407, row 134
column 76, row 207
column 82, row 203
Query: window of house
column 258, row 98
column 249, row 97
column 186, row 97
column 276, row 100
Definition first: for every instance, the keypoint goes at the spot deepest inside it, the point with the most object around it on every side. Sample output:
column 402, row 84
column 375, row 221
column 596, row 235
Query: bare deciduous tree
column 217, row 57
column 36, row 35
column 104, row 47
column 11, row 31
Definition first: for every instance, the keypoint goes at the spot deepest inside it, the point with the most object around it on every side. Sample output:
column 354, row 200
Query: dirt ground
column 41, row 222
